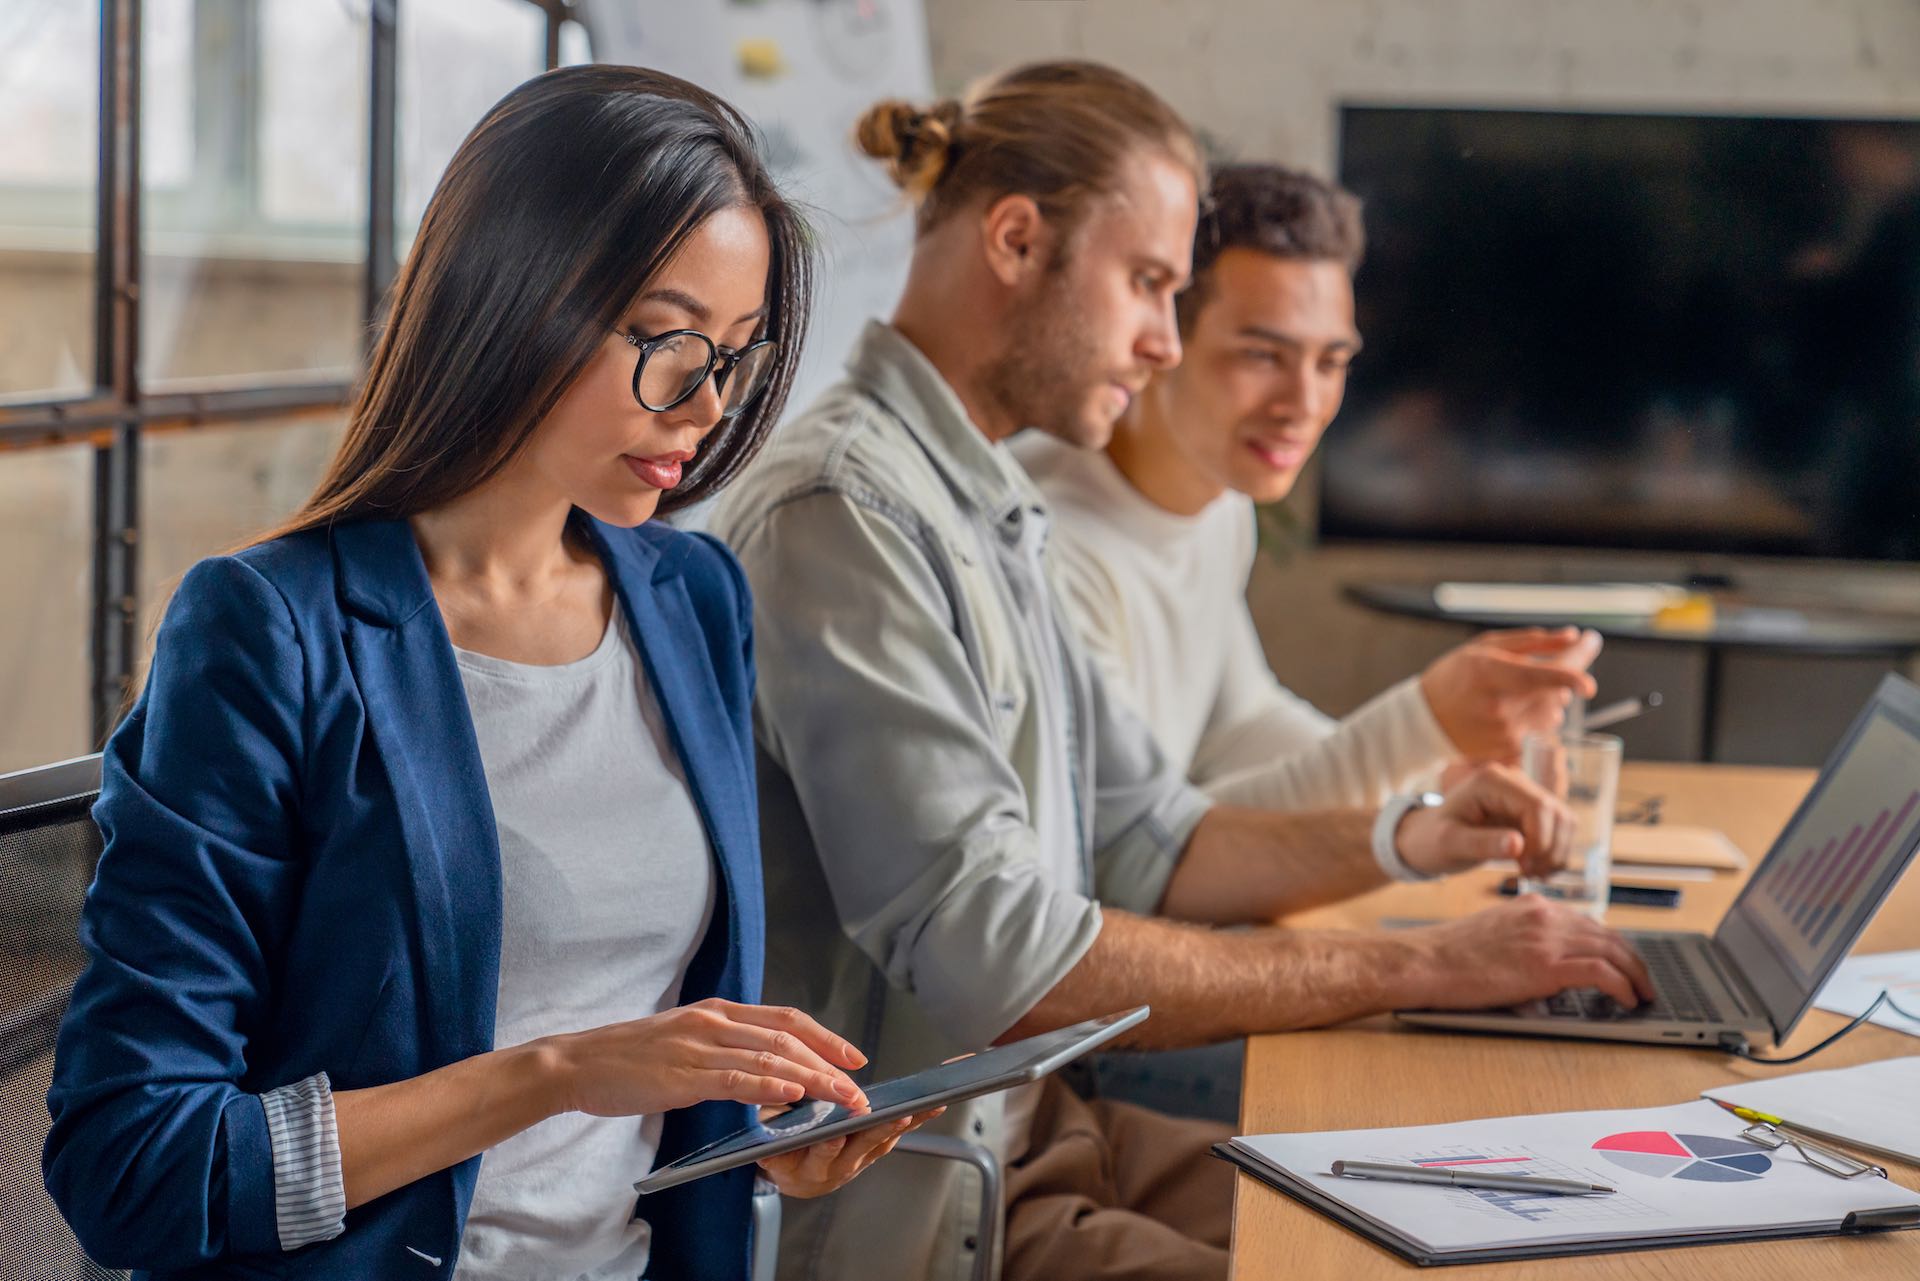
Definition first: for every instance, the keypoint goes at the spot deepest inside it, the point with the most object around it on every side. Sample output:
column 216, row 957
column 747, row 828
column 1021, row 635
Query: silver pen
column 1466, row 1178
column 1624, row 710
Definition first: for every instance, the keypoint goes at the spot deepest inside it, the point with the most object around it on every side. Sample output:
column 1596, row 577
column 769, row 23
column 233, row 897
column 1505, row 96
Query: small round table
column 1738, row 623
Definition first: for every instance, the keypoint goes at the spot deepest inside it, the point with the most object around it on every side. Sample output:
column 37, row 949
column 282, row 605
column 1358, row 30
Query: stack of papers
column 1875, row 1106
column 1683, row 1175
column 1639, row 850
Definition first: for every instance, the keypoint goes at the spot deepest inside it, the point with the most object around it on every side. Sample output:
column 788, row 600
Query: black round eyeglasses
column 674, row 366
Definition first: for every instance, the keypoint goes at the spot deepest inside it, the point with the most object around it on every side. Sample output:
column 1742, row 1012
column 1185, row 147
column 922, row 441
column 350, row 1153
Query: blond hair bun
column 914, row 143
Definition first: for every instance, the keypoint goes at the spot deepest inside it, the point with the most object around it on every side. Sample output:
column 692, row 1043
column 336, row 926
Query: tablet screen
column 814, row 1120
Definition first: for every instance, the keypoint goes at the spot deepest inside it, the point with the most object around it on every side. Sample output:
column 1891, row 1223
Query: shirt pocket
column 1009, row 706
column 991, row 640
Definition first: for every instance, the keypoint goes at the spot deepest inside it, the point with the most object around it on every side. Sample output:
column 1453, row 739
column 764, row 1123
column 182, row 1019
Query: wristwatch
column 1386, row 829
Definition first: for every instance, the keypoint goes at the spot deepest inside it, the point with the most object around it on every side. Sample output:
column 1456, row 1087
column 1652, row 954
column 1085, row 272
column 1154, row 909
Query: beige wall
column 1264, row 78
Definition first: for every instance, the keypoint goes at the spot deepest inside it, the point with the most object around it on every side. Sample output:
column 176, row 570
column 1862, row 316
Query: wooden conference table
column 1373, row 1073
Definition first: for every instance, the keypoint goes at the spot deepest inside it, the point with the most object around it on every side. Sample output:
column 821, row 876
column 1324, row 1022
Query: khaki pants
column 1114, row 1192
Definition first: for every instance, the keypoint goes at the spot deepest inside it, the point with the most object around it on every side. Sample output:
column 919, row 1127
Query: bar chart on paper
column 1828, row 871
column 1534, row 1207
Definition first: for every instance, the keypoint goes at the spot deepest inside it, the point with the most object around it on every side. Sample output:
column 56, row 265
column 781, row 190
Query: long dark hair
column 559, row 206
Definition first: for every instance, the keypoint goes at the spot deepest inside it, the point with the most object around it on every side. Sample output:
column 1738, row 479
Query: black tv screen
column 1688, row 333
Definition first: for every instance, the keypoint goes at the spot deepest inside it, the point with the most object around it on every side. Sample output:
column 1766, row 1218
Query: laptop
column 1752, row 980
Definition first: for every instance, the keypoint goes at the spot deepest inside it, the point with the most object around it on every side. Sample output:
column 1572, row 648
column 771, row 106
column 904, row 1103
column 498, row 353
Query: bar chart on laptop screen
column 1825, row 874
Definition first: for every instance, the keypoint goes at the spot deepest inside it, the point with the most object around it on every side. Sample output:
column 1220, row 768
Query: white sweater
column 1161, row 602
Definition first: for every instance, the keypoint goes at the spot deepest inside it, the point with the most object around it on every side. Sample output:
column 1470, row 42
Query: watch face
column 855, row 36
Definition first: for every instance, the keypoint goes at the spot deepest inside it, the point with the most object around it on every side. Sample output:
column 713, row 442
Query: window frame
column 114, row 415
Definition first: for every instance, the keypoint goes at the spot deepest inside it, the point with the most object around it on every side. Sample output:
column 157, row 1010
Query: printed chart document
column 1683, row 1174
column 1861, row 978
column 1875, row 1106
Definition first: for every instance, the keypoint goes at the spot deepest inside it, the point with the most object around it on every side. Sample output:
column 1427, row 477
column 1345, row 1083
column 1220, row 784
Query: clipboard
column 1858, row 1223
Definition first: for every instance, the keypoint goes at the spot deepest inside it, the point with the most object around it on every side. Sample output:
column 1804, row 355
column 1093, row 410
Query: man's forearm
column 1244, row 865
column 1209, row 985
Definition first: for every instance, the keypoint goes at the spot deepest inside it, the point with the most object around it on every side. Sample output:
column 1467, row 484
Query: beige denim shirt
column 947, row 793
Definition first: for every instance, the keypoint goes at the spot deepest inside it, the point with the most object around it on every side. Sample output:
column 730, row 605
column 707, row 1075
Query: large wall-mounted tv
column 1680, row 332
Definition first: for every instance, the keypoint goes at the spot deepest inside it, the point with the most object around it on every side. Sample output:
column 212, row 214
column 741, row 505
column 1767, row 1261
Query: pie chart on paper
column 1700, row 1157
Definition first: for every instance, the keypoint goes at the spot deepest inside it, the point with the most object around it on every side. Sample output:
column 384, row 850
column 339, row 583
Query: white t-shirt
column 1160, row 600
column 608, row 887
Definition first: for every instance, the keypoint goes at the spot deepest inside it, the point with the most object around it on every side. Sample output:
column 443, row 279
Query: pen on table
column 1466, row 1178
column 1624, row 710
column 1748, row 1114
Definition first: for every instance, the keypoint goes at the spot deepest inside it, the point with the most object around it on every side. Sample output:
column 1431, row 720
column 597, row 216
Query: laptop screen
column 1837, row 859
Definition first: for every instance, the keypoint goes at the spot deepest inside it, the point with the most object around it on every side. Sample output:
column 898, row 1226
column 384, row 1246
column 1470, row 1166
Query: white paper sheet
column 1874, row 1105
column 1861, row 978
column 1679, row 1170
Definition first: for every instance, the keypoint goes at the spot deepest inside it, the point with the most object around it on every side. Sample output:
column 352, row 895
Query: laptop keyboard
column 1678, row 996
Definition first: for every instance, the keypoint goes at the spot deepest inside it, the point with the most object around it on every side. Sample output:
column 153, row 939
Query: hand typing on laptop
column 1753, row 979
column 1522, row 951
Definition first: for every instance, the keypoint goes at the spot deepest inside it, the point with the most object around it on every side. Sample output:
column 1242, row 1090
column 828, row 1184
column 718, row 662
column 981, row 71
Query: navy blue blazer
column 302, row 874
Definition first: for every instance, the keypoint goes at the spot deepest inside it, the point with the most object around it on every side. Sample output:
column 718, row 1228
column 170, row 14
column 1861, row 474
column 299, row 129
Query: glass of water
column 1584, row 771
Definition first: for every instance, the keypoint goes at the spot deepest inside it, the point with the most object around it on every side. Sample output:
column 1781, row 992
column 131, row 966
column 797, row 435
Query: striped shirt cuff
column 309, row 1192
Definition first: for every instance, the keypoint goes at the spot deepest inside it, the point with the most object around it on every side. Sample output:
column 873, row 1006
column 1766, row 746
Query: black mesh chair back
column 48, row 848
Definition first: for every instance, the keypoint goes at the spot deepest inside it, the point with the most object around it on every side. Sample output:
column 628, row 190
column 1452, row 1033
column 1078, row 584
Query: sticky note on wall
column 760, row 58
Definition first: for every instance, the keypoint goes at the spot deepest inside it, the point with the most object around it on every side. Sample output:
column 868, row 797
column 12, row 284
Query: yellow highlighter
column 1748, row 1114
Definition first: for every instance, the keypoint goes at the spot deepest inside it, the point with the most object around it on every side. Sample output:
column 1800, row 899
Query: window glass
column 49, row 163
column 46, row 575
column 254, row 214
column 204, row 490
column 457, row 58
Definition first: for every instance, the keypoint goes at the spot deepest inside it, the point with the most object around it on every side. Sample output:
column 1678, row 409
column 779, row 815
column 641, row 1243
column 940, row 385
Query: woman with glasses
column 429, row 917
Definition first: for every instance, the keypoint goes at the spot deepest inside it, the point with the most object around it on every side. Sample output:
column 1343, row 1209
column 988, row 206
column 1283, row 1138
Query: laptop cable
column 1735, row 1044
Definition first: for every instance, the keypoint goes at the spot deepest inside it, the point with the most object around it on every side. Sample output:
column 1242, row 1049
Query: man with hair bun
column 1155, row 535
column 966, row 839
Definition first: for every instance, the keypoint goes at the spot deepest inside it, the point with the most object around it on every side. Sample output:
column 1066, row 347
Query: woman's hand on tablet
column 391, row 1135
column 818, row 1170
column 711, row 1049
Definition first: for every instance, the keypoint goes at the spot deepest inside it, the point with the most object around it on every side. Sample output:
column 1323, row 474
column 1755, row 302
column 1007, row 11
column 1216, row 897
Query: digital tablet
column 815, row 1120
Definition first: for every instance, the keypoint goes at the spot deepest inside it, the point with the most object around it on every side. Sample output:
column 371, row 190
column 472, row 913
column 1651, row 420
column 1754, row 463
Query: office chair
column 983, row 1243
column 48, row 847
